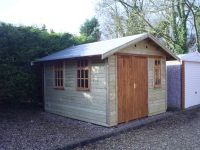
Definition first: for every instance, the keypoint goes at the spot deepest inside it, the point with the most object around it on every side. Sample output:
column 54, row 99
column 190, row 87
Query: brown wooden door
column 132, row 87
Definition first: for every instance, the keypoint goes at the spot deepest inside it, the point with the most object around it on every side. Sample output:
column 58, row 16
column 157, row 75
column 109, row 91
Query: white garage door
column 192, row 84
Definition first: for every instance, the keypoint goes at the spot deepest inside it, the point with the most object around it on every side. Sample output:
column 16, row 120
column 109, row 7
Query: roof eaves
column 64, row 58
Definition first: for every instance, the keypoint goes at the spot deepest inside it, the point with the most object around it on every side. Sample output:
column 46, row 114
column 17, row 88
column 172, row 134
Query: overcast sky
column 59, row 15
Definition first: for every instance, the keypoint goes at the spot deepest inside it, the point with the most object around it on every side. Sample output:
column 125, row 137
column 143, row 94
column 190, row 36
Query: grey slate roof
column 102, row 48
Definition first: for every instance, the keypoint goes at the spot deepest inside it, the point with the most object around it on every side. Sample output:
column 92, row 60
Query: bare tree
column 173, row 20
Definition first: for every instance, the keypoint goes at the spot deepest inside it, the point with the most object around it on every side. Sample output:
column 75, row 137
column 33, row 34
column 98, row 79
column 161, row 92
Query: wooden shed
column 184, row 81
column 108, row 82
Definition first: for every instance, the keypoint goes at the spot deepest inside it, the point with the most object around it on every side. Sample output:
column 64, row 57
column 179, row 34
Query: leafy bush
column 18, row 47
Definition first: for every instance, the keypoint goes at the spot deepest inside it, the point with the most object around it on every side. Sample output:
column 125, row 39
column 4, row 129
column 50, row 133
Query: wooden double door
column 132, row 87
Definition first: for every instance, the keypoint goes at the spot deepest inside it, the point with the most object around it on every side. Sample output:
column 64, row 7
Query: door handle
column 134, row 85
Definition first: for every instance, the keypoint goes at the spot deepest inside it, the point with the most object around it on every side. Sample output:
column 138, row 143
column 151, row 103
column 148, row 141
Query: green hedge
column 19, row 45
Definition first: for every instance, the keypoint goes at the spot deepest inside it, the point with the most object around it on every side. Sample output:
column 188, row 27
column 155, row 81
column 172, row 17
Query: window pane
column 82, row 73
column 158, row 62
column 86, row 73
column 157, row 76
column 78, row 74
column 58, row 82
column 86, row 83
column 61, row 82
column 82, row 83
column 58, row 74
column 61, row 74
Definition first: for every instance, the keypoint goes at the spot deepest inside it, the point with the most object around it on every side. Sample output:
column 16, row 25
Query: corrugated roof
column 102, row 48
column 194, row 57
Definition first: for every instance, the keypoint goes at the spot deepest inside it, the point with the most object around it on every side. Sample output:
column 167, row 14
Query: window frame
column 55, row 79
column 157, row 66
column 79, row 70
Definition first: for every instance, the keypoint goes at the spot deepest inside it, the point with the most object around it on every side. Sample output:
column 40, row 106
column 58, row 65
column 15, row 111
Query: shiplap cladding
column 145, row 47
column 112, row 91
column 156, row 96
column 88, row 106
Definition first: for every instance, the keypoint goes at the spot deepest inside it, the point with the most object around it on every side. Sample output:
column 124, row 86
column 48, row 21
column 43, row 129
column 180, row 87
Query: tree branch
column 147, row 22
column 189, row 5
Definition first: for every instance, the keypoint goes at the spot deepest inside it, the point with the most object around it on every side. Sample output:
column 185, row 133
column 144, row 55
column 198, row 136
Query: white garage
column 186, row 93
column 190, row 79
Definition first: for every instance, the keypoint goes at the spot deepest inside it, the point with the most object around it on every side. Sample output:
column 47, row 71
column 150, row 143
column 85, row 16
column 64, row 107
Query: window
column 58, row 75
column 157, row 73
column 82, row 75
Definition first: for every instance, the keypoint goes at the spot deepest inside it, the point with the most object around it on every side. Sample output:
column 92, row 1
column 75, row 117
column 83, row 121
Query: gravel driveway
column 32, row 128
column 181, row 132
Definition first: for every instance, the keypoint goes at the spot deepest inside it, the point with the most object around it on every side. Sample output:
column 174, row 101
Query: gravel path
column 181, row 132
column 31, row 128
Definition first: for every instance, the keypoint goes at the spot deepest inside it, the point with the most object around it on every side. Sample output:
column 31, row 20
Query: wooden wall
column 156, row 96
column 145, row 47
column 88, row 106
column 112, row 91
